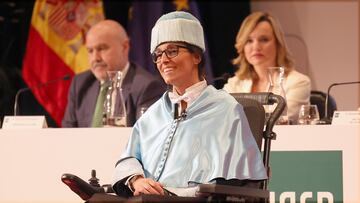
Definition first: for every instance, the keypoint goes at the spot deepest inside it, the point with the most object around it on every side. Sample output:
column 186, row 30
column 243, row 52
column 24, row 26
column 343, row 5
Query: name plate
column 24, row 122
column 346, row 117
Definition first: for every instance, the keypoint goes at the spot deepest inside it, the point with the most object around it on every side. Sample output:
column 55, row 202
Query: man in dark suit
column 108, row 48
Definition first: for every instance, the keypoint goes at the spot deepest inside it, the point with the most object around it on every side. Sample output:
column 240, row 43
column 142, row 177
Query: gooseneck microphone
column 326, row 119
column 223, row 77
column 16, row 105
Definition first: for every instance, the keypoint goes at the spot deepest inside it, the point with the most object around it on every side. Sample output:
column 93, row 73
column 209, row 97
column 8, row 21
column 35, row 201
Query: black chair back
column 264, row 98
column 255, row 114
column 318, row 98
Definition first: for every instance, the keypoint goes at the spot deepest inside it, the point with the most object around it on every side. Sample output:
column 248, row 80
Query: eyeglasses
column 171, row 51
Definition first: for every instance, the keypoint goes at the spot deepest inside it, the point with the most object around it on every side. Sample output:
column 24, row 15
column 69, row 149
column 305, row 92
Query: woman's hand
column 147, row 186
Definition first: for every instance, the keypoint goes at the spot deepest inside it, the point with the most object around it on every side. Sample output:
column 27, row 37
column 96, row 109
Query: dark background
column 221, row 21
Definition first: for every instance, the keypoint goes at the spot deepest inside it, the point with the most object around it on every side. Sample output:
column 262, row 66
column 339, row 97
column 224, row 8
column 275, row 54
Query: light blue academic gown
column 212, row 141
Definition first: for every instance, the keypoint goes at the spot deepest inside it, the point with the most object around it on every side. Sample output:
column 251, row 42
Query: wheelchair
column 217, row 192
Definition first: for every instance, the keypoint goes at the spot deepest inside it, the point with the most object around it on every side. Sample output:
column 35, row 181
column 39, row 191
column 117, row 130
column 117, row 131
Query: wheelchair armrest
column 107, row 198
column 80, row 187
column 228, row 190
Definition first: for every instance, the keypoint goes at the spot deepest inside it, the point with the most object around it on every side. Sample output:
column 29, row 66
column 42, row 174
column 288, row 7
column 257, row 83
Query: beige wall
column 324, row 39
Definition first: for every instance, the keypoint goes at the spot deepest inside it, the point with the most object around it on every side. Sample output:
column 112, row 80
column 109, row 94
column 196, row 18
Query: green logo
column 306, row 176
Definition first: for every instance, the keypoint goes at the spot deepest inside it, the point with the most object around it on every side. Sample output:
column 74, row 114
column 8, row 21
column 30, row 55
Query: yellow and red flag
column 56, row 48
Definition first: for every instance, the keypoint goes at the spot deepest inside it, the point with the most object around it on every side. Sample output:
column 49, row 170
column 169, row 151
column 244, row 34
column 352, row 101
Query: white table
column 345, row 138
column 34, row 160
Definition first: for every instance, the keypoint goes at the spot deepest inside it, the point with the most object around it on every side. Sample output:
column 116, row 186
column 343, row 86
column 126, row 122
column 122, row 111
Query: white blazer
column 297, row 91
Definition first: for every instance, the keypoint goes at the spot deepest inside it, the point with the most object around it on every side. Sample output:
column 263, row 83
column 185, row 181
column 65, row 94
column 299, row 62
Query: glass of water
column 308, row 115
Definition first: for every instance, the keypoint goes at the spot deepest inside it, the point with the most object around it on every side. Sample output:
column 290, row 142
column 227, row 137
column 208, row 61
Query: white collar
column 190, row 95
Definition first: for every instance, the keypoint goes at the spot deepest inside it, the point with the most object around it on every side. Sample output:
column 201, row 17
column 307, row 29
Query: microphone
column 223, row 77
column 65, row 77
column 176, row 110
column 326, row 119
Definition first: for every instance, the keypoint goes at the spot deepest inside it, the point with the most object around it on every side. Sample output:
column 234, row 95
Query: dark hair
column 197, row 50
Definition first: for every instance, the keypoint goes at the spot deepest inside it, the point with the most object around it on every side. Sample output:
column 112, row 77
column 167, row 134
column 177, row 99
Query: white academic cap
column 177, row 26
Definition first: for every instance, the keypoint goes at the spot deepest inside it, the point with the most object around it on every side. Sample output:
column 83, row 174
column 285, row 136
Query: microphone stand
column 17, row 99
column 327, row 119
column 16, row 105
column 223, row 78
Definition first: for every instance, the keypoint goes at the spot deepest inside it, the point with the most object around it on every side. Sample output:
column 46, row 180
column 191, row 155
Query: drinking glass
column 308, row 115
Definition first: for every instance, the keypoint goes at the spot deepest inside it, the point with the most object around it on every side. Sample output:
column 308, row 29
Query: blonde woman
column 260, row 44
